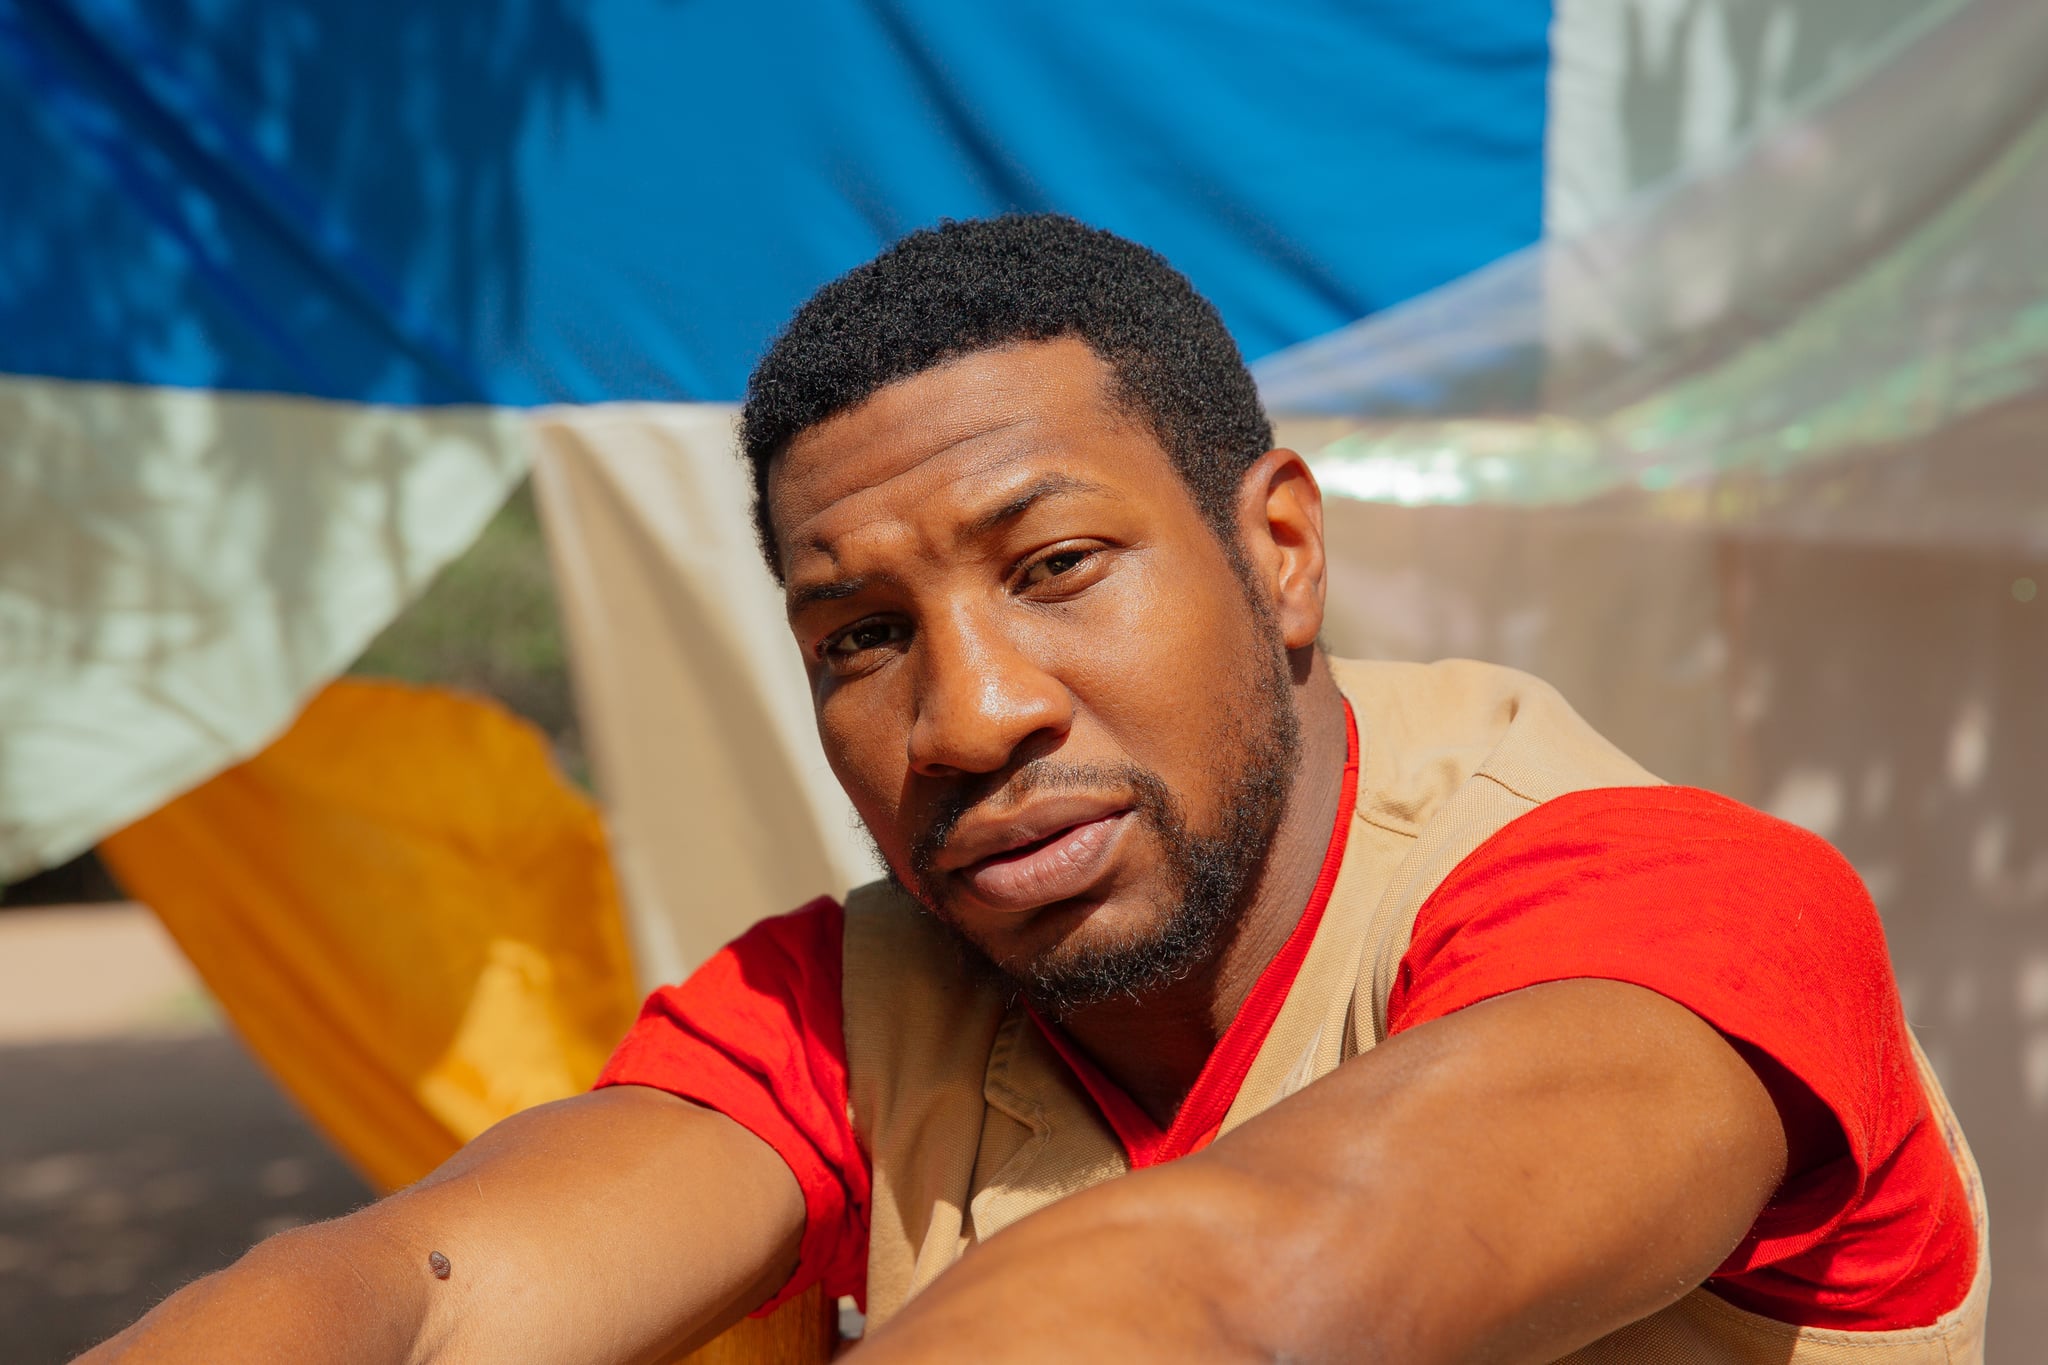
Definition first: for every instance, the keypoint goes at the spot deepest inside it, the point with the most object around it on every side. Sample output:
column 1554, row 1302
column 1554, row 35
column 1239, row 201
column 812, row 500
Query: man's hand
column 618, row 1226
column 1504, row 1184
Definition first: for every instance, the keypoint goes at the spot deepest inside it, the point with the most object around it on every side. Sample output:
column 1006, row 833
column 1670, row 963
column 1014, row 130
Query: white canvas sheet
column 180, row 570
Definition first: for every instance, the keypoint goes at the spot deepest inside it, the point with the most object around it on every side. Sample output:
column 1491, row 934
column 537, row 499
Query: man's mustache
column 1145, row 790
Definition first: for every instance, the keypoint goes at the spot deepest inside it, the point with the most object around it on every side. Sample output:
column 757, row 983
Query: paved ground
column 139, row 1144
column 90, row 972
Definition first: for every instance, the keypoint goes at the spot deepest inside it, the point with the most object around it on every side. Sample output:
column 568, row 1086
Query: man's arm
column 613, row 1227
column 1504, row 1184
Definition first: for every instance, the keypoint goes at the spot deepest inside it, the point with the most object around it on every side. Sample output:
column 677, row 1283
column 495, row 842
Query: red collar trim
column 1201, row 1113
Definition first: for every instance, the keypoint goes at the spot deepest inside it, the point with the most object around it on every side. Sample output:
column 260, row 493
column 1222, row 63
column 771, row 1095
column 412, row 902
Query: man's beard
column 1210, row 876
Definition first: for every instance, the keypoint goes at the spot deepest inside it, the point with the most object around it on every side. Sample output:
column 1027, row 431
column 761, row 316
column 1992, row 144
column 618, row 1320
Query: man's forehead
column 957, row 433
column 947, row 487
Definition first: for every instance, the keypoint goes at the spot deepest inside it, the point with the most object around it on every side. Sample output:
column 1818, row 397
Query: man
column 1221, row 1003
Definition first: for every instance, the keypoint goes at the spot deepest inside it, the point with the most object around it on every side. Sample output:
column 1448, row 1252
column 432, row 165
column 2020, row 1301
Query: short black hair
column 977, row 284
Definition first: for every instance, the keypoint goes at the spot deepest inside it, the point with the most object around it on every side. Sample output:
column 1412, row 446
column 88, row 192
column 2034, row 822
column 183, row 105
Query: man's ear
column 1280, row 526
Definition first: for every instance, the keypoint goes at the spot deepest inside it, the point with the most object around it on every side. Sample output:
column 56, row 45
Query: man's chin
column 1072, row 954
column 1024, row 943
column 1094, row 962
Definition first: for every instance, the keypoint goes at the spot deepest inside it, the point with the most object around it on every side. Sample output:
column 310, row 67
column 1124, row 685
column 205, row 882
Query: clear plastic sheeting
column 1756, row 472
column 1887, row 697
column 1780, row 342
column 180, row 570
column 1643, row 92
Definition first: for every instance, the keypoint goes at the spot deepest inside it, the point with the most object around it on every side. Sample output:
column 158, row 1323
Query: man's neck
column 1155, row 1047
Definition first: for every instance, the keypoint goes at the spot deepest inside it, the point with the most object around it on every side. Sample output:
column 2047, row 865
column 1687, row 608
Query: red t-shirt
column 1759, row 928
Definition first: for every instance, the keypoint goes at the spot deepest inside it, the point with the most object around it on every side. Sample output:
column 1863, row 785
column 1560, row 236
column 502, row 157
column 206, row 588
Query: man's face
column 1063, row 715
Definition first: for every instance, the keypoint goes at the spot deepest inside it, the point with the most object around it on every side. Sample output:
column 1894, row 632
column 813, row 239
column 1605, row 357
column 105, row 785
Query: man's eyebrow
column 833, row 591
column 1046, row 486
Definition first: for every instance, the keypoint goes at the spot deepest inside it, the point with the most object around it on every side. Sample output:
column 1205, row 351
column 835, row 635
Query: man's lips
column 1050, row 853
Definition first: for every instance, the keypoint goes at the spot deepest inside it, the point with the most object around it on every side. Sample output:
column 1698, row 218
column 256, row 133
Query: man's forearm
column 329, row 1293
column 1506, row 1184
column 617, row 1226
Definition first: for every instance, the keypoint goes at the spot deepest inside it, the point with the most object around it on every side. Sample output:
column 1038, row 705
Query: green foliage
column 489, row 624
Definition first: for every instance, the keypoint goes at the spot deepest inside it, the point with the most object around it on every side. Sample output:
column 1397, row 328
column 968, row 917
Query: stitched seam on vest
column 998, row 1089
column 1515, row 790
column 1009, row 1099
column 1976, row 1304
column 1392, row 944
column 1404, row 829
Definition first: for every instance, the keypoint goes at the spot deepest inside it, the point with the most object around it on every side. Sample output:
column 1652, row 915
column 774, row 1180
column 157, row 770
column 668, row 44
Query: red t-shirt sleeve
column 1765, row 932
column 756, row 1034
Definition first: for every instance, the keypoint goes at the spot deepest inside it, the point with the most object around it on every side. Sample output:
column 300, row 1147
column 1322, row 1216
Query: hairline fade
column 985, row 284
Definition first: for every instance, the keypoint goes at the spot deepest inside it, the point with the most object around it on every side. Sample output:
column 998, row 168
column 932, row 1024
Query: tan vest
column 971, row 1121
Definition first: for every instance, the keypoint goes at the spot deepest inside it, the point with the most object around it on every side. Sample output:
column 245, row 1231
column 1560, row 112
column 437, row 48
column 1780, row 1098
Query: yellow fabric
column 407, row 914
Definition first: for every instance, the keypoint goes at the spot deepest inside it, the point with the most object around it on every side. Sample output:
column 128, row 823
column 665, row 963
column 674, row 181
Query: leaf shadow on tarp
column 314, row 196
column 311, row 197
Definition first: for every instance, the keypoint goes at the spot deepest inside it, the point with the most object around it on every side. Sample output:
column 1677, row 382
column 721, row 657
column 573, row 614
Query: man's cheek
column 862, row 765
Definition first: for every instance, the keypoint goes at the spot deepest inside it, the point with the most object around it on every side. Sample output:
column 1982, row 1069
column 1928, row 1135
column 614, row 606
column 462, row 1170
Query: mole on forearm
column 439, row 1264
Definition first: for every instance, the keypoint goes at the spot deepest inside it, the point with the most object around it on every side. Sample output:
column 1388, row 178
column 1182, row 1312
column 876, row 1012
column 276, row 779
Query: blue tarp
column 528, row 201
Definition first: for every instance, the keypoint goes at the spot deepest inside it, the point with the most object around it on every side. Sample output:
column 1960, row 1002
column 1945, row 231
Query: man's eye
column 862, row 636
column 1052, row 566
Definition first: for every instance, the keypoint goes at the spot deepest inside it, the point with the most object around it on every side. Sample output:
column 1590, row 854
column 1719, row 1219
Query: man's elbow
column 325, row 1288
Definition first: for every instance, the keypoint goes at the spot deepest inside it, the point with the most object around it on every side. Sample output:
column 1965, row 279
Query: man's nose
column 979, row 699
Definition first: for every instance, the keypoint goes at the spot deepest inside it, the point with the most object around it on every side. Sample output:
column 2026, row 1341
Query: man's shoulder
column 1669, row 828
column 1691, row 811
column 1635, row 847
column 1439, row 724
column 1427, row 730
